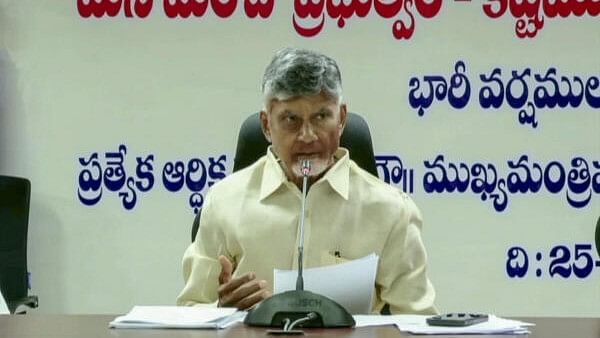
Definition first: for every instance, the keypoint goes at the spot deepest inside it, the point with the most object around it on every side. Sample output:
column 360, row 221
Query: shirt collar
column 273, row 175
column 337, row 176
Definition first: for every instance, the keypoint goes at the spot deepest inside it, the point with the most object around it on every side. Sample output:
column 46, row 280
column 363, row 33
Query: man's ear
column 264, row 124
column 343, row 115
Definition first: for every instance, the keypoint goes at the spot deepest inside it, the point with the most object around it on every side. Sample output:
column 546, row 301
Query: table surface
column 67, row 326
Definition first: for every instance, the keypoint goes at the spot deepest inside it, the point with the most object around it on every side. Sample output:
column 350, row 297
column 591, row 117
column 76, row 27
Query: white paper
column 383, row 320
column 351, row 284
column 3, row 307
column 494, row 325
column 179, row 317
column 417, row 324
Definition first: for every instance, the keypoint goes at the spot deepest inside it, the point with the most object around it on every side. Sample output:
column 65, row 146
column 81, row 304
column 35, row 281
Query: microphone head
column 306, row 167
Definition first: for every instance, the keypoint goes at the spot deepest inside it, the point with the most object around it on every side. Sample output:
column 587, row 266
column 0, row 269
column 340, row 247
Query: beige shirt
column 252, row 217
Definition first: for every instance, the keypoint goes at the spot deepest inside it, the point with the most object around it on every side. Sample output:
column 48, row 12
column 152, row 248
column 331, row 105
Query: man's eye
column 290, row 119
column 321, row 116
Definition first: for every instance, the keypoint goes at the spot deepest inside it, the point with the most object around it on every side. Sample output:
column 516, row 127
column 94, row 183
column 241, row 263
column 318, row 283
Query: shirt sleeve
column 201, row 267
column 403, row 282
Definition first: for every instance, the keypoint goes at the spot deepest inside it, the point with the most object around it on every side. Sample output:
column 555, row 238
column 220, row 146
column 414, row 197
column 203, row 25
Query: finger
column 226, row 270
column 236, row 283
column 253, row 299
column 245, row 290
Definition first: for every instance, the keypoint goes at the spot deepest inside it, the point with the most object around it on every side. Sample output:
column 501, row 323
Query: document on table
column 417, row 324
column 178, row 317
column 350, row 284
column 3, row 307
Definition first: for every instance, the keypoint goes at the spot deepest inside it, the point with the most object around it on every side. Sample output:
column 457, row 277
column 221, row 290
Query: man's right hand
column 242, row 292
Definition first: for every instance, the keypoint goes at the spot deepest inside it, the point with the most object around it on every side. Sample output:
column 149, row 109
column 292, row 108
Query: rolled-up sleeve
column 402, row 274
column 201, row 267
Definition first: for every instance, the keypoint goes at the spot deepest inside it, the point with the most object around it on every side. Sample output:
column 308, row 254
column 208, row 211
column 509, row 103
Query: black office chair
column 14, row 218
column 598, row 236
column 356, row 137
column 252, row 145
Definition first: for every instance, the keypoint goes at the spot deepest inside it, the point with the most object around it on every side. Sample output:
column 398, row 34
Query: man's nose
column 307, row 133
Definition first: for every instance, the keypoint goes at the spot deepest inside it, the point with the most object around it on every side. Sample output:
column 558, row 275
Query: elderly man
column 249, row 223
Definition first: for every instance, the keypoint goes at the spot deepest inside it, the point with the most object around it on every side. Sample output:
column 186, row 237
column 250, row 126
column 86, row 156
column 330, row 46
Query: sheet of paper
column 383, row 320
column 351, row 284
column 178, row 317
column 416, row 324
column 3, row 307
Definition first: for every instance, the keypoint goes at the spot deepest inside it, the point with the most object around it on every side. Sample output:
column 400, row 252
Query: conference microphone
column 299, row 307
column 305, row 172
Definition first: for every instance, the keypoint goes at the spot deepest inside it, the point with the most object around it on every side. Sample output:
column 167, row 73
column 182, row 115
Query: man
column 249, row 223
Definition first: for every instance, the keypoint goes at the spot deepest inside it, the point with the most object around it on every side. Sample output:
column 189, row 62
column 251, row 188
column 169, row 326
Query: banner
column 123, row 114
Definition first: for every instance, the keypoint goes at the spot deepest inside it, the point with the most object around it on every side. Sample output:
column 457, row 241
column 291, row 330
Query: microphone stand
column 299, row 307
column 305, row 171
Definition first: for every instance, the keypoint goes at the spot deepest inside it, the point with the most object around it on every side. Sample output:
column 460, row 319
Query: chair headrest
column 252, row 144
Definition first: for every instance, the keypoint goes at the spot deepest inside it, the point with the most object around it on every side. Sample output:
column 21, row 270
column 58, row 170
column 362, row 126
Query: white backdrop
column 72, row 85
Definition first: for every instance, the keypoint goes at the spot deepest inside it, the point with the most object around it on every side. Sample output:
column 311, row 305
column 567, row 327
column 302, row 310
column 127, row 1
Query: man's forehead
column 300, row 104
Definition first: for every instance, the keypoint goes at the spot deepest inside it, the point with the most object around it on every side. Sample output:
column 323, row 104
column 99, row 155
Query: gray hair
column 300, row 72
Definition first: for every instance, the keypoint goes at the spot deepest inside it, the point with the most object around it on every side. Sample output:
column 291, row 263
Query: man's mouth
column 306, row 156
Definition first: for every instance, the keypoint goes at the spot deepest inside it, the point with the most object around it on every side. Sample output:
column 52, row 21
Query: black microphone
column 305, row 172
column 299, row 307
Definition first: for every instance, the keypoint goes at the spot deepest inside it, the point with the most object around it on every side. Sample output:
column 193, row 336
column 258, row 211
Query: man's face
column 304, row 128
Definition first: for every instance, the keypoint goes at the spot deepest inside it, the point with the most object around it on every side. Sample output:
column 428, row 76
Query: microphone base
column 298, row 304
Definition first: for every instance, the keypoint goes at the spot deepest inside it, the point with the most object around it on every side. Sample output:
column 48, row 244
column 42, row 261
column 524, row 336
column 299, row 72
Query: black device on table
column 457, row 319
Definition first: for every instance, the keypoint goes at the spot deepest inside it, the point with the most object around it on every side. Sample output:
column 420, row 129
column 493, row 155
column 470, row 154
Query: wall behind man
column 100, row 111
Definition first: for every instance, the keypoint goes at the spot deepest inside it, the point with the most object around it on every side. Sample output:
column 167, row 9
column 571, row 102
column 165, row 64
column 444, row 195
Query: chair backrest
column 14, row 220
column 252, row 144
column 598, row 236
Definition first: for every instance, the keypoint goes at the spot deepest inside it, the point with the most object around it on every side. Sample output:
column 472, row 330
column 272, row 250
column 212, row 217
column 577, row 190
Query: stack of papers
column 417, row 324
column 178, row 317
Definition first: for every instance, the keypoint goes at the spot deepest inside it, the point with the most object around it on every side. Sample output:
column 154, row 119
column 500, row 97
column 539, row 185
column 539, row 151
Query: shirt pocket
column 332, row 257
